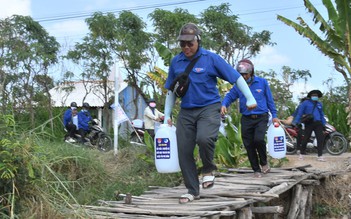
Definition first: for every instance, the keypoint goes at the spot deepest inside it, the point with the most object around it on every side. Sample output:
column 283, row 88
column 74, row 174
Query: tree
column 26, row 53
column 221, row 32
column 112, row 39
column 281, row 88
column 335, row 40
column 132, row 47
column 231, row 39
column 166, row 33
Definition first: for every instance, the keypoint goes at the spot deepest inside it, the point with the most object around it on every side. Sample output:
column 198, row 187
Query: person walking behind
column 84, row 118
column 300, row 130
column 152, row 115
column 253, row 122
column 313, row 109
column 69, row 124
column 199, row 117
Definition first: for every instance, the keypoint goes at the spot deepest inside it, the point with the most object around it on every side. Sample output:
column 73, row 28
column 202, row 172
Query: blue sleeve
column 230, row 97
column 83, row 120
column 295, row 112
column 322, row 114
column 67, row 117
column 225, row 70
column 299, row 113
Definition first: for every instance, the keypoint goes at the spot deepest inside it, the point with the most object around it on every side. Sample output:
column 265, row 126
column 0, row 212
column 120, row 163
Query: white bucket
column 166, row 150
column 276, row 141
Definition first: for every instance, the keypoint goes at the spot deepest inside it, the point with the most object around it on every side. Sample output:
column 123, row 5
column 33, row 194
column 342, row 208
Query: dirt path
column 340, row 162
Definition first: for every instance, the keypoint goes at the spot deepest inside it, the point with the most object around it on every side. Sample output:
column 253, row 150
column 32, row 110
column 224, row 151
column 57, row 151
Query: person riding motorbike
column 84, row 118
column 70, row 122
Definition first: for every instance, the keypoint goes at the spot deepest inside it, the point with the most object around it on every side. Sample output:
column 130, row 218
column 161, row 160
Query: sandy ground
column 338, row 163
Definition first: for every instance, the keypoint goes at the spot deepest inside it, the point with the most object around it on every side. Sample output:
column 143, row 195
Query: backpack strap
column 191, row 65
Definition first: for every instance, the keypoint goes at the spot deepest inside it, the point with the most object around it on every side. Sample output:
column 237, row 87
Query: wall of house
column 133, row 105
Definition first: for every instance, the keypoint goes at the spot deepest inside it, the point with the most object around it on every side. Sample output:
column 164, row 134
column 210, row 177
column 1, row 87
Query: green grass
column 77, row 175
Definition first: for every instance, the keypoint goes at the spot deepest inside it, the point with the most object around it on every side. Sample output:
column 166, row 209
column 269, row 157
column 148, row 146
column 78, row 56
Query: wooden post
column 294, row 205
column 244, row 213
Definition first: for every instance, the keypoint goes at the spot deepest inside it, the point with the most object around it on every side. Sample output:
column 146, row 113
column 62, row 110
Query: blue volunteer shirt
column 306, row 107
column 67, row 116
column 202, row 89
column 262, row 94
column 84, row 118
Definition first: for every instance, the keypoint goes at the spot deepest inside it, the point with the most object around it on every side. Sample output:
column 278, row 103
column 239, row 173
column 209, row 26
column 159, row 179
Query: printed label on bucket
column 163, row 149
column 278, row 143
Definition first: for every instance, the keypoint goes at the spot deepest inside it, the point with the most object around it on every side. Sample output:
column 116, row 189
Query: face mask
column 314, row 98
column 153, row 105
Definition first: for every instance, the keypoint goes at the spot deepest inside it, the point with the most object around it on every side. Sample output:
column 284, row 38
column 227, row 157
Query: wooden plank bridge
column 235, row 195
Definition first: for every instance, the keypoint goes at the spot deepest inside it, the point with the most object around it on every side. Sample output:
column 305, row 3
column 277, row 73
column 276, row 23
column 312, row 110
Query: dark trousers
column 197, row 126
column 253, row 131
column 317, row 127
column 82, row 134
column 300, row 132
column 151, row 132
column 71, row 130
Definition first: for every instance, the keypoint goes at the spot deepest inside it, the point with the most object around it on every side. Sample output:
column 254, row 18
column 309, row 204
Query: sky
column 64, row 20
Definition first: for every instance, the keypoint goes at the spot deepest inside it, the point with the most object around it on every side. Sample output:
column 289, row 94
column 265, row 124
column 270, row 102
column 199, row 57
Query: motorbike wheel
column 290, row 146
column 134, row 138
column 104, row 143
column 336, row 143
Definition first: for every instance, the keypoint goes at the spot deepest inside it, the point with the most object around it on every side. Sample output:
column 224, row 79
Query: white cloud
column 72, row 30
column 18, row 7
column 270, row 58
column 68, row 28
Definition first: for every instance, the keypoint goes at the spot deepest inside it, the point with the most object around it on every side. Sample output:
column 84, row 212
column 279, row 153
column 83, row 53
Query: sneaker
column 321, row 159
column 298, row 152
column 266, row 169
column 257, row 175
column 70, row 140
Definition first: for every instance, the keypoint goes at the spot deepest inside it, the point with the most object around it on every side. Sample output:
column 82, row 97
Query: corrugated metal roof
column 62, row 95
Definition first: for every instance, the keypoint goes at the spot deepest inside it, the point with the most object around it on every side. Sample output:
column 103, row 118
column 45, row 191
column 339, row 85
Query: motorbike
column 97, row 138
column 138, row 132
column 137, row 135
column 334, row 143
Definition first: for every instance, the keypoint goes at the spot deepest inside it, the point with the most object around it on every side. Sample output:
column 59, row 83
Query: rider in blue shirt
column 68, row 123
column 84, row 118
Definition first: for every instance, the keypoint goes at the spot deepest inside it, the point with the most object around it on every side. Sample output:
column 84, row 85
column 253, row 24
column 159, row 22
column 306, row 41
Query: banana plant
column 335, row 40
column 230, row 152
column 149, row 155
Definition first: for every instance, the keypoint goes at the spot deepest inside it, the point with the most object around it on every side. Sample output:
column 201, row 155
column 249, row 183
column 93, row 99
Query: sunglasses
column 186, row 43
column 243, row 74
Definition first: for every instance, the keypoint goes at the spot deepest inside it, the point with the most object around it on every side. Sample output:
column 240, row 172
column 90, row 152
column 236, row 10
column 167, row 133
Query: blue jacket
column 306, row 107
column 262, row 94
column 84, row 118
column 67, row 117
column 203, row 89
